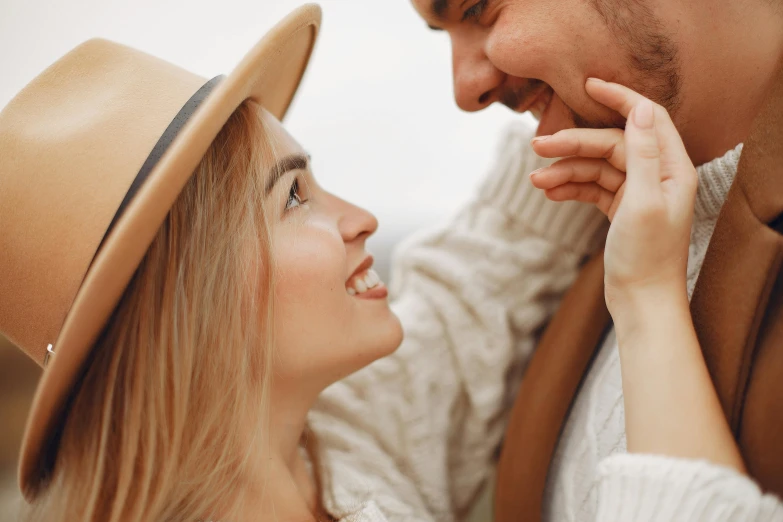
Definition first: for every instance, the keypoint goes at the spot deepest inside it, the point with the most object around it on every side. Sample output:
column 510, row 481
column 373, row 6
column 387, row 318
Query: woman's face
column 332, row 315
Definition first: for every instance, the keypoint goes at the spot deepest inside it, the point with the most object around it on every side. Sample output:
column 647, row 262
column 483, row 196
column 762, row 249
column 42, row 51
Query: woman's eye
column 474, row 13
column 294, row 198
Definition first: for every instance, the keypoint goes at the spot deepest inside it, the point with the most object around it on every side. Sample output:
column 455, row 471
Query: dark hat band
column 161, row 147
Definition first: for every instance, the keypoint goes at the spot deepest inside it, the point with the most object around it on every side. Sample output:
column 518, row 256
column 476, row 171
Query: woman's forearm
column 671, row 407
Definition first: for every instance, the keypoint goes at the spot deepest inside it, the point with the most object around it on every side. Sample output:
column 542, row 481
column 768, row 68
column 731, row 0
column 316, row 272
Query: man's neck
column 734, row 51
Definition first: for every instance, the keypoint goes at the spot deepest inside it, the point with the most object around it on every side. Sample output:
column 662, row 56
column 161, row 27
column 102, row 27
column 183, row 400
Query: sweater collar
column 715, row 179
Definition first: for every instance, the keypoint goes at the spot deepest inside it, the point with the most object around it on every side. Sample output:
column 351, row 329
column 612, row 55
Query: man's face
column 537, row 54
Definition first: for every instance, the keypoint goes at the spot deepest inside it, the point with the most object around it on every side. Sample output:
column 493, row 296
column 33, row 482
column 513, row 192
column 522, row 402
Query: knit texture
column 414, row 436
column 595, row 428
column 645, row 488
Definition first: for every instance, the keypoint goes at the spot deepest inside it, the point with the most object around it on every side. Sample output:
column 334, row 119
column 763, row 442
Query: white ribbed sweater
column 413, row 436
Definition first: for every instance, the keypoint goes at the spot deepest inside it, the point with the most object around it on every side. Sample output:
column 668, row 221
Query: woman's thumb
column 643, row 153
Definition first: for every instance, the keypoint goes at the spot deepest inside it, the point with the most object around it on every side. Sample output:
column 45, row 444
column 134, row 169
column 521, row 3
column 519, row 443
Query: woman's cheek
column 310, row 272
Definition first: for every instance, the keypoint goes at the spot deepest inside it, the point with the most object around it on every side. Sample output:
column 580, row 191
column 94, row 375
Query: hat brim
column 269, row 74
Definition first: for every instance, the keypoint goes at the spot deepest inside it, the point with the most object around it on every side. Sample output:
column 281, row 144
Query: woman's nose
column 476, row 80
column 355, row 222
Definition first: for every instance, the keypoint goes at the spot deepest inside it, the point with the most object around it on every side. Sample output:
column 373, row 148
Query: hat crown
column 71, row 144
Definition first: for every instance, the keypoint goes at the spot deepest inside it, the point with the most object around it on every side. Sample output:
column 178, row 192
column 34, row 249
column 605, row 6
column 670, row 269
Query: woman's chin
column 386, row 336
column 396, row 334
column 380, row 340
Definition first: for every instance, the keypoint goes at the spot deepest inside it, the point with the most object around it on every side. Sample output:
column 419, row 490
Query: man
column 696, row 59
column 711, row 64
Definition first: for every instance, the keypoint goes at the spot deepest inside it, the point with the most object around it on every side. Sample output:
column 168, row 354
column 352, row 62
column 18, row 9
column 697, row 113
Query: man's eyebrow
column 285, row 164
column 439, row 8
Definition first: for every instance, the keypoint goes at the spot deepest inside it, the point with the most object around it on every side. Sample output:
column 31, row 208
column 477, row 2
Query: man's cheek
column 519, row 54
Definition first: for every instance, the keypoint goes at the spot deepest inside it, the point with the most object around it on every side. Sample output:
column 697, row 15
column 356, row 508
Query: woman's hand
column 641, row 178
column 644, row 181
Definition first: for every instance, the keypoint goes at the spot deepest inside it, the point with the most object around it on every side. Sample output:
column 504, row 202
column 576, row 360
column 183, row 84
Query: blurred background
column 375, row 111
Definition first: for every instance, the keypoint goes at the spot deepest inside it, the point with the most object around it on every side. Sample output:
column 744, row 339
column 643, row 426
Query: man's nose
column 476, row 80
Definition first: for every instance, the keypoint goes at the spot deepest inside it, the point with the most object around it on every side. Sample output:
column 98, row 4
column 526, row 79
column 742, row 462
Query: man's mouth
column 520, row 98
column 534, row 97
column 539, row 105
column 550, row 120
column 539, row 98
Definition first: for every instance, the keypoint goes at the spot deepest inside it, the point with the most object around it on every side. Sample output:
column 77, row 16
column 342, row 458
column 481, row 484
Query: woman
column 201, row 297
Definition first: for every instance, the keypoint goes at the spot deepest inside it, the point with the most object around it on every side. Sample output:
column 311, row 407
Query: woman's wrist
column 670, row 405
column 647, row 306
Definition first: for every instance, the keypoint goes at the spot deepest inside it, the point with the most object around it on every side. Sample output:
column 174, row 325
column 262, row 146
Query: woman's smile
column 365, row 283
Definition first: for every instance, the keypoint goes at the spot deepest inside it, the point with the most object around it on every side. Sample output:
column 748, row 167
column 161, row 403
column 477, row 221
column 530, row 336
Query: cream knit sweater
column 414, row 436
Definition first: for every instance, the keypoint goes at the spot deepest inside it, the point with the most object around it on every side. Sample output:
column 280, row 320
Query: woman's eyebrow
column 283, row 165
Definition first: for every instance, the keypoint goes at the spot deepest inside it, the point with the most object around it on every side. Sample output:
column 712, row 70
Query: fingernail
column 536, row 171
column 643, row 115
column 539, row 139
column 598, row 80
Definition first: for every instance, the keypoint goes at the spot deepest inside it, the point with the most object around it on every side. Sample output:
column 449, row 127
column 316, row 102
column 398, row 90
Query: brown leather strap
column 543, row 400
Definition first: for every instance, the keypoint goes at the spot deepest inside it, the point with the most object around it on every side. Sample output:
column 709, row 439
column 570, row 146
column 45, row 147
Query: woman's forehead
column 282, row 141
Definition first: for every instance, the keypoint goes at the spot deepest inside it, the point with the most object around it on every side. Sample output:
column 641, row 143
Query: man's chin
column 555, row 117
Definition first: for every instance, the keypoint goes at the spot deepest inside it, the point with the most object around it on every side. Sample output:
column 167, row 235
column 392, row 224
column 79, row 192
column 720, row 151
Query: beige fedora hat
column 93, row 153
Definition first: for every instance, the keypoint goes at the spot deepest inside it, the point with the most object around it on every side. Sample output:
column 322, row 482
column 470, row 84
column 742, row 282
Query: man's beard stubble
column 652, row 58
column 652, row 54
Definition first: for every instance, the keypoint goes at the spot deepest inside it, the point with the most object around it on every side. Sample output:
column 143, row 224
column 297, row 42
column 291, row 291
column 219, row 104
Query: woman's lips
column 377, row 292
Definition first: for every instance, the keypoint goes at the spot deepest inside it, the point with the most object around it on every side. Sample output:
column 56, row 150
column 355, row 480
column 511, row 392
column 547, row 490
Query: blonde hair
column 158, row 430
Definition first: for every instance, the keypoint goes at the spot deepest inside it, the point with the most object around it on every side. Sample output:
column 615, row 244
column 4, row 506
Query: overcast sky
column 376, row 109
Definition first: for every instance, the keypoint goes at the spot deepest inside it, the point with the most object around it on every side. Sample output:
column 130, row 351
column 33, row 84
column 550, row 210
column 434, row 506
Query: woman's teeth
column 361, row 284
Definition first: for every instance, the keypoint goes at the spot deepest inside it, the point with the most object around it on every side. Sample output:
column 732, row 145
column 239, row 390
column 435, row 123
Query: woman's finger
column 622, row 99
column 615, row 96
column 588, row 143
column 585, row 192
column 579, row 170
column 644, row 154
